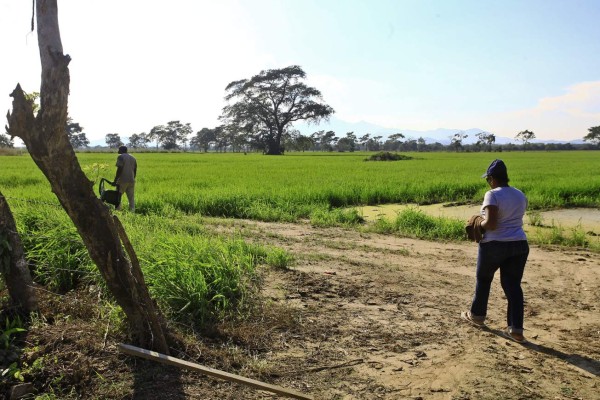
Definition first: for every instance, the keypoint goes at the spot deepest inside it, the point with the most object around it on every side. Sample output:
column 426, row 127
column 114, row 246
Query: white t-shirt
column 511, row 204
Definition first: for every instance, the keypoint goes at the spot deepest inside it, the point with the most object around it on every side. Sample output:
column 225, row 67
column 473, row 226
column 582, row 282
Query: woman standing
column 503, row 246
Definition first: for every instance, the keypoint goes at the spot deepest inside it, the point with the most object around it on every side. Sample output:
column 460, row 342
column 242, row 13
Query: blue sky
column 500, row 66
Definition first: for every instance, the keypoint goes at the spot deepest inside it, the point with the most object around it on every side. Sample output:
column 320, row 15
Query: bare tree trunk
column 46, row 139
column 16, row 274
column 273, row 146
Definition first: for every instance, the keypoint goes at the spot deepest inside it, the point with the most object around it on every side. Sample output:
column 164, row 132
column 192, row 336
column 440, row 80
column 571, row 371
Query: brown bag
column 473, row 228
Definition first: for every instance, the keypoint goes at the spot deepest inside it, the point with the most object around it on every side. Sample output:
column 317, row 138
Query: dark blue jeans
column 510, row 257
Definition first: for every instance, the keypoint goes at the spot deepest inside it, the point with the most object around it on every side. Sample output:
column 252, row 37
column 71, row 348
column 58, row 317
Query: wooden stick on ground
column 162, row 358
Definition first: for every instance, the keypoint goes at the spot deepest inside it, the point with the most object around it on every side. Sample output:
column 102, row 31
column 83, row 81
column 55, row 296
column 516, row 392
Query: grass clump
column 557, row 235
column 278, row 258
column 535, row 218
column 11, row 327
column 337, row 217
column 201, row 278
column 413, row 222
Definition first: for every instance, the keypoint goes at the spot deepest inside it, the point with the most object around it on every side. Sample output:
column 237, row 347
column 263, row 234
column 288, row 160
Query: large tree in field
column 169, row 135
column 303, row 143
column 486, row 139
column 525, row 136
column 457, row 139
column 76, row 135
column 203, row 138
column 593, row 135
column 364, row 141
column 6, row 141
column 269, row 102
column 138, row 141
column 113, row 140
column 177, row 132
column 48, row 144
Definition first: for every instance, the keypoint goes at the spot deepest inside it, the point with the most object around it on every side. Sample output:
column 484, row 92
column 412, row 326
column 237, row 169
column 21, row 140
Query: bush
column 387, row 156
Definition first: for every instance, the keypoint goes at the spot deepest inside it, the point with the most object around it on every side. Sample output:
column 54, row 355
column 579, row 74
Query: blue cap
column 496, row 168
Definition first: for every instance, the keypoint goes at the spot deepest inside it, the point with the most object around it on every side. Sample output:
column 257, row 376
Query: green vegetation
column 387, row 156
column 557, row 235
column 294, row 186
column 335, row 217
column 307, row 186
column 9, row 353
column 413, row 222
column 195, row 276
column 200, row 276
column 57, row 256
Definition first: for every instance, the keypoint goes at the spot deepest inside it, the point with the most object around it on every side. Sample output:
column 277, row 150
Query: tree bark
column 273, row 146
column 16, row 273
column 47, row 141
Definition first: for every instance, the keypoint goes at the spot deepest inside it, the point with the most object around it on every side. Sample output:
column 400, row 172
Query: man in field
column 125, row 176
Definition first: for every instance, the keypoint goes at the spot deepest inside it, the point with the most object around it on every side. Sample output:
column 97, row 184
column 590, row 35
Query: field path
column 381, row 319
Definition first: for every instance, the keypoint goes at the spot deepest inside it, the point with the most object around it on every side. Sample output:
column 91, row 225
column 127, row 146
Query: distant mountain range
column 440, row 135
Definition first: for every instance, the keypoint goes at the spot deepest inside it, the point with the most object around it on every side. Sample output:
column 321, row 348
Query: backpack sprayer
column 109, row 196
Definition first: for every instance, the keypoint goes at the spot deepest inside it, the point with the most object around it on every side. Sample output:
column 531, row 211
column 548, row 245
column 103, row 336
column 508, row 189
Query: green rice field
column 294, row 186
column 215, row 274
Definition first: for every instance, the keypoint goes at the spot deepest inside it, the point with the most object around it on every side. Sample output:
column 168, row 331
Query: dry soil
column 358, row 316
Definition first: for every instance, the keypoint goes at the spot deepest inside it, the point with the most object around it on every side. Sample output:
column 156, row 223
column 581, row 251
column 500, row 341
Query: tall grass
column 415, row 223
column 195, row 276
column 57, row 256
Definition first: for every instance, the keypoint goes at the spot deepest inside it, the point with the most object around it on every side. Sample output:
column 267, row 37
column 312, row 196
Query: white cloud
column 581, row 100
column 566, row 117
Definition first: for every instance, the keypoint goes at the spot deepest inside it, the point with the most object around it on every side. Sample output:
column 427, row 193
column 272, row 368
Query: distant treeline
column 215, row 140
column 408, row 146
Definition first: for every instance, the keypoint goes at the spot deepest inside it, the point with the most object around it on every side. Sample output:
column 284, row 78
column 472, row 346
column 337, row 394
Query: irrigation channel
column 568, row 218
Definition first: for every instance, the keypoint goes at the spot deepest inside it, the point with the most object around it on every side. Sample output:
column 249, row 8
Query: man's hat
column 497, row 168
column 122, row 149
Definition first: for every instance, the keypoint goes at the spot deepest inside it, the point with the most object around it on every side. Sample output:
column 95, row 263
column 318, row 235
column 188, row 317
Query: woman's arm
column 491, row 218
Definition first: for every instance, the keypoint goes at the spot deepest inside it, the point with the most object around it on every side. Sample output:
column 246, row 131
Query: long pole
column 162, row 358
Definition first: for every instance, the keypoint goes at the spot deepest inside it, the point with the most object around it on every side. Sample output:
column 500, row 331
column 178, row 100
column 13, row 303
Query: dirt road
column 358, row 316
column 381, row 320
